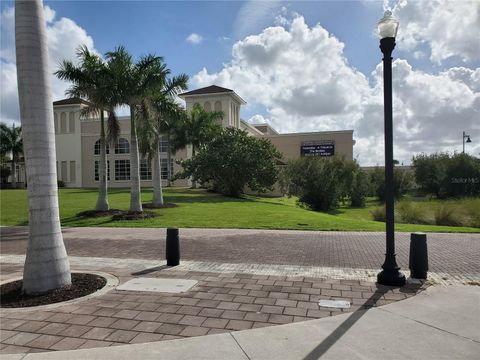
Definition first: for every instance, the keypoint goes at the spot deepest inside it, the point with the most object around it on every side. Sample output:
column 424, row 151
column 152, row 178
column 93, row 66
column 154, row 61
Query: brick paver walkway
column 218, row 303
column 453, row 254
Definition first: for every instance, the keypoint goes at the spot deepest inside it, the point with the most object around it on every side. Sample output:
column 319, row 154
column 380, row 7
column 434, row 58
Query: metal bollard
column 418, row 256
column 172, row 250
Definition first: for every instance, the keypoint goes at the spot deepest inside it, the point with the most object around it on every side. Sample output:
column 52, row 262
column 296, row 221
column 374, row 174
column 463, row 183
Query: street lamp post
column 465, row 136
column 387, row 30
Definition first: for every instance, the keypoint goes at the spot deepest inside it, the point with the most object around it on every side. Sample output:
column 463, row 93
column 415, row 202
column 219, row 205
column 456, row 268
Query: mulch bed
column 164, row 206
column 11, row 295
column 134, row 215
column 99, row 213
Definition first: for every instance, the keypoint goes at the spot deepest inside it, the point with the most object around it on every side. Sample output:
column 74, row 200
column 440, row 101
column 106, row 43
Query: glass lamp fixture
column 387, row 26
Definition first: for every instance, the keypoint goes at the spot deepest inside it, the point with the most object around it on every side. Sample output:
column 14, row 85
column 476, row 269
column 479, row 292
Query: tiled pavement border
column 221, row 302
column 248, row 268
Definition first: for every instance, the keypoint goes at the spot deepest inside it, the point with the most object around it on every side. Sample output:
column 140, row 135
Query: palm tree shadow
column 150, row 270
column 345, row 326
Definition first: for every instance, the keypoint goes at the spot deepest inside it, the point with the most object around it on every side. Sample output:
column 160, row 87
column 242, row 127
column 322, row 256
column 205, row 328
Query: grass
column 200, row 209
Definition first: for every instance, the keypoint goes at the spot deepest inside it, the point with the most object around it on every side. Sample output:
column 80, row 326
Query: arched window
column 218, row 106
column 71, row 122
column 97, row 148
column 122, row 146
column 63, row 123
column 207, row 106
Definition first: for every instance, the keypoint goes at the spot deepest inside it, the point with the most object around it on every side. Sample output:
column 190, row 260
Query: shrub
column 4, row 173
column 403, row 182
column 447, row 215
column 320, row 183
column 233, row 160
column 379, row 214
column 411, row 213
column 472, row 209
column 359, row 189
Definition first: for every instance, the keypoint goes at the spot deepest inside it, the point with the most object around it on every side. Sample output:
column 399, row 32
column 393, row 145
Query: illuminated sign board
column 318, row 150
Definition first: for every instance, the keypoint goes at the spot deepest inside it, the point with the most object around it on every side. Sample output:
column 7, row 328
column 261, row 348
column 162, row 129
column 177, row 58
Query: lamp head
column 468, row 139
column 387, row 26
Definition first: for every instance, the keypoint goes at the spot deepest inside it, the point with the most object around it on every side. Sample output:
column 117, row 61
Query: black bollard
column 172, row 250
column 418, row 256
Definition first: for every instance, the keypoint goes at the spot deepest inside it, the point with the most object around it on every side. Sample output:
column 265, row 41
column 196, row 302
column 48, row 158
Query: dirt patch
column 82, row 284
column 99, row 213
column 134, row 215
column 164, row 206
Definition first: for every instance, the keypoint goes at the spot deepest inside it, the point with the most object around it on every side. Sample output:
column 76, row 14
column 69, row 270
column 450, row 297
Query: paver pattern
column 220, row 302
column 453, row 254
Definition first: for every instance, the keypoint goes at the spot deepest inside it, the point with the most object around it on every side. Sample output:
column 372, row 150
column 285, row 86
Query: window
column 218, row 106
column 207, row 106
column 72, row 171
column 55, row 119
column 71, row 122
column 164, row 169
column 97, row 175
column 163, row 144
column 97, row 148
column 63, row 123
column 64, row 171
column 122, row 169
column 145, row 170
column 122, row 146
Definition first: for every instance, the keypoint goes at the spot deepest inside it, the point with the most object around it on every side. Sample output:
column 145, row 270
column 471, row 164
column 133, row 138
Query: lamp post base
column 391, row 277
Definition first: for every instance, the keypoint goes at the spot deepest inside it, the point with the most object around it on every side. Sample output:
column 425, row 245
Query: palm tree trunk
column 46, row 264
column 169, row 161
column 135, row 198
column 194, row 183
column 14, row 172
column 157, row 179
column 102, row 200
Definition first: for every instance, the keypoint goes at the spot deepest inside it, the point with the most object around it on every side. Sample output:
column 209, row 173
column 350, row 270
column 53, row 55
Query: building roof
column 212, row 89
column 72, row 101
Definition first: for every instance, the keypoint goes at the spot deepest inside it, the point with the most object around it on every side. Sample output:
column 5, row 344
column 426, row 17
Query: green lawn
column 198, row 208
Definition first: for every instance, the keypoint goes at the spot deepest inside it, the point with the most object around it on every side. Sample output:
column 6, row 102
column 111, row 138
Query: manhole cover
column 338, row 304
column 158, row 285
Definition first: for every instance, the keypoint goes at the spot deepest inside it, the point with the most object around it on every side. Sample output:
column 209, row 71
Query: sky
column 301, row 65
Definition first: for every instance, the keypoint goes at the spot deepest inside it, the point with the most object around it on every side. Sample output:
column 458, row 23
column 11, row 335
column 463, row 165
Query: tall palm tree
column 162, row 110
column 196, row 129
column 11, row 143
column 93, row 80
column 135, row 82
column 46, row 264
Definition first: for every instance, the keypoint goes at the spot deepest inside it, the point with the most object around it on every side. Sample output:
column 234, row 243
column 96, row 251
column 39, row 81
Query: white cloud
column 254, row 15
column 449, row 28
column 300, row 76
column 64, row 37
column 194, row 38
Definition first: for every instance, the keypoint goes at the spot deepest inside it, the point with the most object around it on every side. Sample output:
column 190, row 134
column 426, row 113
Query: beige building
column 78, row 147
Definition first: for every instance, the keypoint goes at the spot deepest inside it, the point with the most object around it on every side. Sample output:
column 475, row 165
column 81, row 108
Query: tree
column 93, row 80
column 430, row 172
column 402, row 182
column 233, row 160
column 196, row 129
column 159, row 113
column 11, row 143
column 135, row 82
column 46, row 264
column 319, row 183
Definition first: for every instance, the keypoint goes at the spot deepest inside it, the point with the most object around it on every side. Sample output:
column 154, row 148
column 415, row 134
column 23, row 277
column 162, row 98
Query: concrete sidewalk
column 439, row 323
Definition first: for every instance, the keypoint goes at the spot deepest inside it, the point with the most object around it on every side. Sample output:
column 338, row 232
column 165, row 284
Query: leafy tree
column 94, row 81
column 359, row 188
column 233, row 160
column 319, row 183
column 135, row 82
column 431, row 172
column 46, row 263
column 196, row 129
column 11, row 143
column 402, row 182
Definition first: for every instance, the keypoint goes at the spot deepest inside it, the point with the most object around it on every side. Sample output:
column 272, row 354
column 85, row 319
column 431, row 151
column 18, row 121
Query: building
column 78, row 146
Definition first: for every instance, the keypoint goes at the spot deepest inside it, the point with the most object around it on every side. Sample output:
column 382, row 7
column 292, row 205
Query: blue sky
column 317, row 68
